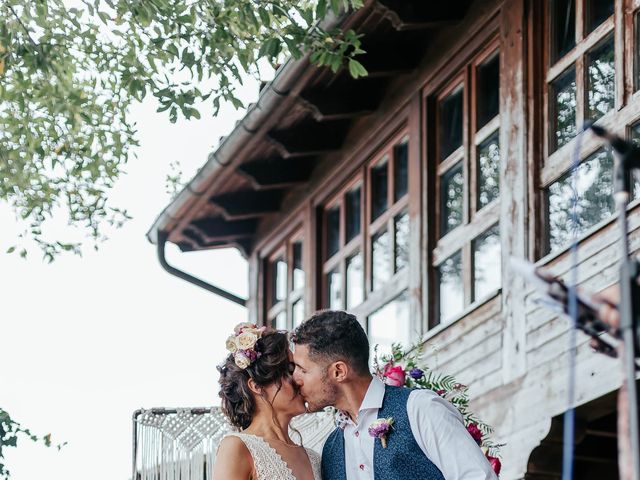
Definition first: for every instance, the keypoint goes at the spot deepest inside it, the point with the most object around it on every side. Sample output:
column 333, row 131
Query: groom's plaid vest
column 402, row 458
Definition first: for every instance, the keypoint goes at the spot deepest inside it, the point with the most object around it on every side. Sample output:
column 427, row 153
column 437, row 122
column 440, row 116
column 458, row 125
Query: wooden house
column 401, row 197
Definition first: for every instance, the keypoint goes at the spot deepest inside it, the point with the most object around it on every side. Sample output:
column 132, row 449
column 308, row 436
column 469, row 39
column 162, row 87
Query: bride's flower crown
column 243, row 342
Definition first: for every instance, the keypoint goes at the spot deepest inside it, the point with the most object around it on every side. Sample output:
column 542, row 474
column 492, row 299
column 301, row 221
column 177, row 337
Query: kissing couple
column 382, row 432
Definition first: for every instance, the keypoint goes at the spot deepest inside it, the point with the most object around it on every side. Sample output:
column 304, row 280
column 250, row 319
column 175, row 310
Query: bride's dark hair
column 273, row 365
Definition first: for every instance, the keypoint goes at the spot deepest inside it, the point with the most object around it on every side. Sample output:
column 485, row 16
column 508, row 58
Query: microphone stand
column 628, row 434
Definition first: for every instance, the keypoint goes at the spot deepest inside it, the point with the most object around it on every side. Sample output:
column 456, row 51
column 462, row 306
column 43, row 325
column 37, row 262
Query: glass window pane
column 298, row 313
column 279, row 281
column 333, row 231
column 635, row 138
column 451, row 287
column 379, row 189
column 451, row 198
column 334, row 289
column 352, row 202
column 563, row 21
column 402, row 240
column 487, row 272
column 400, row 170
column 381, row 266
column 593, row 189
column 280, row 322
column 563, row 108
column 450, row 123
column 488, row 90
column 355, row 280
column 601, row 79
column 298, row 272
column 597, row 12
column 390, row 324
column 488, row 170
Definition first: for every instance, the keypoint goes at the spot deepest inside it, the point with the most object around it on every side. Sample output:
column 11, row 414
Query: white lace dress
column 269, row 464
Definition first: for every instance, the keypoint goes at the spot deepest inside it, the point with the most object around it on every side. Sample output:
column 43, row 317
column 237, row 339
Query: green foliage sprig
column 70, row 74
column 10, row 430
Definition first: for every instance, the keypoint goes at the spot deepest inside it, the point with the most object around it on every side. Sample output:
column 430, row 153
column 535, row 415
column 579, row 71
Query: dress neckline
column 277, row 455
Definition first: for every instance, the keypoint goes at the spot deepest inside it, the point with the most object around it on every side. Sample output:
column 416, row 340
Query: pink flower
column 441, row 392
column 395, row 376
column 475, row 432
column 495, row 464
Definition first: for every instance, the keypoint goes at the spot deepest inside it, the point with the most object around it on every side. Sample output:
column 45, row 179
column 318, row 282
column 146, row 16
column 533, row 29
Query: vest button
column 357, row 433
column 361, row 466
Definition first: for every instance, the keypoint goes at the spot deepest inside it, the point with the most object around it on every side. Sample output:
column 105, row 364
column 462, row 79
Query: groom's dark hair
column 335, row 335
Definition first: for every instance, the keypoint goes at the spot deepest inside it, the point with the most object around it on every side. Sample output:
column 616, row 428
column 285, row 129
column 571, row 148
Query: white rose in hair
column 242, row 360
column 246, row 340
column 242, row 325
column 231, row 344
column 256, row 331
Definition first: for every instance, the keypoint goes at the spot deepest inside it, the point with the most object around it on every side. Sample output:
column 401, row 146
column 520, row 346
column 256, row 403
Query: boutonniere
column 381, row 429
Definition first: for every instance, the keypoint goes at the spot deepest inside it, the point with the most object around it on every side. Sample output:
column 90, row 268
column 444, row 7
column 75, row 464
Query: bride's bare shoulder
column 233, row 460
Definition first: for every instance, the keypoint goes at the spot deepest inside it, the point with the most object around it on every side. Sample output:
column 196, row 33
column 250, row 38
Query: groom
column 428, row 439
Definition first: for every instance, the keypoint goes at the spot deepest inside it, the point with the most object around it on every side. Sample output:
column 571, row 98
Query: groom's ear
column 340, row 371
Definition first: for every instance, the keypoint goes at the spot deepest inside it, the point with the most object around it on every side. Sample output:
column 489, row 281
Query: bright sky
column 86, row 341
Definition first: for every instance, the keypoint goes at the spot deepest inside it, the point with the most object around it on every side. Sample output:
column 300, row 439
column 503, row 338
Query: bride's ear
column 253, row 386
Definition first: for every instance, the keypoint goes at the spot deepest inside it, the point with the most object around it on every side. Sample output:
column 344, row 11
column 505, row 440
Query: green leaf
column 356, row 69
column 321, row 9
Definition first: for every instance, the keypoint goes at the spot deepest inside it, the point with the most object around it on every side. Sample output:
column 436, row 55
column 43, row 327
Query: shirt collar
column 372, row 400
column 374, row 396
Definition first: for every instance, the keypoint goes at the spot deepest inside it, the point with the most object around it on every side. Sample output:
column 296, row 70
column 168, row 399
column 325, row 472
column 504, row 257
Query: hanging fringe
column 181, row 444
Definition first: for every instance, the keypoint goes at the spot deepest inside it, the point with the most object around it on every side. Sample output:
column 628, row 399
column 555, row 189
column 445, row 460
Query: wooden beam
column 201, row 243
column 346, row 98
column 418, row 14
column 244, row 204
column 310, row 137
column 218, row 228
column 393, row 53
column 186, row 246
column 278, row 172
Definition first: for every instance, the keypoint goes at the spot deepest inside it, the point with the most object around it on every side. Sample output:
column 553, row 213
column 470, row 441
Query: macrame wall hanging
column 180, row 444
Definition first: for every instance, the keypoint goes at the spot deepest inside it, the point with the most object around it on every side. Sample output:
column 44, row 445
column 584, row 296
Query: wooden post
column 513, row 182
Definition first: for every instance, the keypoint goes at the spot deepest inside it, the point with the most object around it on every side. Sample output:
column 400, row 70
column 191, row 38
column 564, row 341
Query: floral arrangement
column 401, row 368
column 243, row 342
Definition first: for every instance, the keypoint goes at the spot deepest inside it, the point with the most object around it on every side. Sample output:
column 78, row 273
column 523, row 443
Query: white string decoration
column 181, row 444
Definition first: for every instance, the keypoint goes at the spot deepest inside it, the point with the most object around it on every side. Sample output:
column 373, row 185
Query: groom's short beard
column 329, row 395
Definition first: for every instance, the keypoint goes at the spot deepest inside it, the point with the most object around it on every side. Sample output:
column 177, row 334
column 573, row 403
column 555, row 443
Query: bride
column 260, row 398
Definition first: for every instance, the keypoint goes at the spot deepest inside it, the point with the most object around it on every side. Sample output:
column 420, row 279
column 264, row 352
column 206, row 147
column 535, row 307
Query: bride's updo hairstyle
column 270, row 365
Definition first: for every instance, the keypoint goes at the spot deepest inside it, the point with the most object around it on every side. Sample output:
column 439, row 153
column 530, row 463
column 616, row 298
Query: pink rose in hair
column 394, row 376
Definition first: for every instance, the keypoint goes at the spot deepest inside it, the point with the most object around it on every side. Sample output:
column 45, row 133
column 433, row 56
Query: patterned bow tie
column 341, row 419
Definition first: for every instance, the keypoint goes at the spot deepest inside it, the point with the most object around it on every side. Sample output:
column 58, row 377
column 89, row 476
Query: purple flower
column 416, row 373
column 381, row 429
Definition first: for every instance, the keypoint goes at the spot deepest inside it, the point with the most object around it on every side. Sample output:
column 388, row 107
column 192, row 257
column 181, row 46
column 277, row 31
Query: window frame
column 399, row 280
column 475, row 221
column 619, row 120
column 284, row 250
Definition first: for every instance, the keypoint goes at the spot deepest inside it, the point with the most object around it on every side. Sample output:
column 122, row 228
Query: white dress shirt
column 437, row 427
